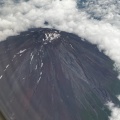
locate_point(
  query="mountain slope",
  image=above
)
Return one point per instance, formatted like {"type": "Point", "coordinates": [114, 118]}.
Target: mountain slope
{"type": "Point", "coordinates": [46, 74]}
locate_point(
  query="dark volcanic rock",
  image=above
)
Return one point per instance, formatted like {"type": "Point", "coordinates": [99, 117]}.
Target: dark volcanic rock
{"type": "Point", "coordinates": [50, 75]}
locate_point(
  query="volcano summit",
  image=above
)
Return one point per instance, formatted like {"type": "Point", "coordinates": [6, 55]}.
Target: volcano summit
{"type": "Point", "coordinates": [47, 74]}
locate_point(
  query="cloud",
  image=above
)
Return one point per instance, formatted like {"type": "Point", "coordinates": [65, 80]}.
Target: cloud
{"type": "Point", "coordinates": [97, 22]}
{"type": "Point", "coordinates": [115, 111]}
{"type": "Point", "coordinates": [107, 10]}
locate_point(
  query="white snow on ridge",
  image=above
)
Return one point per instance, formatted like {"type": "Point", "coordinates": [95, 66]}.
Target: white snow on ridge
{"type": "Point", "coordinates": [41, 64]}
{"type": "Point", "coordinates": [21, 51]}
{"type": "Point", "coordinates": [36, 67]}
{"type": "Point", "coordinates": [31, 57]}
{"type": "Point", "coordinates": [49, 37]}
{"type": "Point", "coordinates": [1, 77]}
{"type": "Point", "coordinates": [39, 80]}
{"type": "Point", "coordinates": [7, 66]}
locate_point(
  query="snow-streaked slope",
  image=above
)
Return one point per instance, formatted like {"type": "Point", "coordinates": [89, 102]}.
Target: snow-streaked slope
{"type": "Point", "coordinates": [48, 74]}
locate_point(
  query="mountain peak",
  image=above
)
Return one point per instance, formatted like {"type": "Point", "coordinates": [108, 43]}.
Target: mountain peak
{"type": "Point", "coordinates": [51, 75]}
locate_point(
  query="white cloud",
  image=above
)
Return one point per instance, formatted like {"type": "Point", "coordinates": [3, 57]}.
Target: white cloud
{"type": "Point", "coordinates": [64, 15]}
{"type": "Point", "coordinates": [115, 111]}
{"type": "Point", "coordinates": [118, 97]}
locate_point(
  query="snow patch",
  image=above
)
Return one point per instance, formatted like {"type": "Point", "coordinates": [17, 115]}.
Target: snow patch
{"type": "Point", "coordinates": [7, 66]}
{"type": "Point", "coordinates": [1, 77]}
{"type": "Point", "coordinates": [41, 64]}
{"type": "Point", "coordinates": [49, 37]}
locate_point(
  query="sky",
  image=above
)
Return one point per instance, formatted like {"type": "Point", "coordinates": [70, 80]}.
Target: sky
{"type": "Point", "coordinates": [96, 21]}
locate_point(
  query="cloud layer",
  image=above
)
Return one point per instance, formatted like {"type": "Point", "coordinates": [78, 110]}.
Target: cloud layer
{"type": "Point", "coordinates": [98, 22]}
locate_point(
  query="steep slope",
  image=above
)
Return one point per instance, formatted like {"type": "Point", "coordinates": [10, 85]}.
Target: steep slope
{"type": "Point", "coordinates": [46, 74]}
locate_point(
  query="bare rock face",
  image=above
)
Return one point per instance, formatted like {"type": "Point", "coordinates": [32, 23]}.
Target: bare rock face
{"type": "Point", "coordinates": [46, 74]}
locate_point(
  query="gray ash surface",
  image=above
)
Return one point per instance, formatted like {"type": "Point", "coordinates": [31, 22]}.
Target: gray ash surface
{"type": "Point", "coordinates": [47, 74]}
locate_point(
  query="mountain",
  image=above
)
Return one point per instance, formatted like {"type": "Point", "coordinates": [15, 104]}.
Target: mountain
{"type": "Point", "coordinates": [46, 74]}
